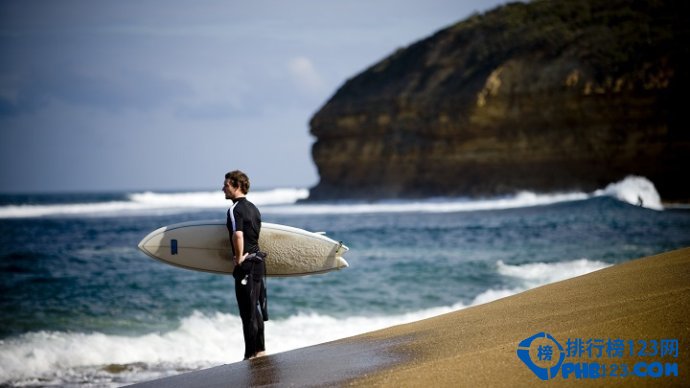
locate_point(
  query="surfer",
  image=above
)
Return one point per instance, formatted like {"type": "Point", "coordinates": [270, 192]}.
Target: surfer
{"type": "Point", "coordinates": [244, 226]}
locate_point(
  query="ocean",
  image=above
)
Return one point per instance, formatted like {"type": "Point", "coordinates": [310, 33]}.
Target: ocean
{"type": "Point", "coordinates": [82, 306]}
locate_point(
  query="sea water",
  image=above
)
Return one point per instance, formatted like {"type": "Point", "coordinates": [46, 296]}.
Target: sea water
{"type": "Point", "coordinates": [81, 305]}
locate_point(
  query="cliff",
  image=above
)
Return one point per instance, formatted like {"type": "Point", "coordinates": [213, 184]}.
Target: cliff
{"type": "Point", "coordinates": [545, 96]}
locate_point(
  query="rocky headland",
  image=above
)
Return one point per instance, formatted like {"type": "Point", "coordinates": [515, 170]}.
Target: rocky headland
{"type": "Point", "coordinates": [546, 96]}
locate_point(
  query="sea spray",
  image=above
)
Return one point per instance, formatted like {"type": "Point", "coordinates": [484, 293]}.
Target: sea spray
{"type": "Point", "coordinates": [215, 199]}
{"type": "Point", "coordinates": [150, 204]}
{"type": "Point", "coordinates": [203, 340]}
{"type": "Point", "coordinates": [283, 201]}
{"type": "Point", "coordinates": [76, 284]}
{"type": "Point", "coordinates": [635, 190]}
{"type": "Point", "coordinates": [536, 274]}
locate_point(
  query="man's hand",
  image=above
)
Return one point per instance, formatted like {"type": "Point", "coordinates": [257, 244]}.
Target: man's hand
{"type": "Point", "coordinates": [239, 261]}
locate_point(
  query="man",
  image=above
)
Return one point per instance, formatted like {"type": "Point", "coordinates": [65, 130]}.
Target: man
{"type": "Point", "coordinates": [244, 226]}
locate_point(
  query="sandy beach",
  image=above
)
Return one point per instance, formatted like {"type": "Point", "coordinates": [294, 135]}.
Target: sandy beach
{"type": "Point", "coordinates": [623, 325]}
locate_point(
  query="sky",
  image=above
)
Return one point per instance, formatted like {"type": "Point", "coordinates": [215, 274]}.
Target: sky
{"type": "Point", "coordinates": [170, 95]}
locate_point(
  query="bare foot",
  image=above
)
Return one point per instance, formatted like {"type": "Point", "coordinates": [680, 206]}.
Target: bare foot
{"type": "Point", "coordinates": [256, 355]}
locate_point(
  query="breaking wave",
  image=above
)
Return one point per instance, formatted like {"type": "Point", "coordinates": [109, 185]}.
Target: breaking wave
{"type": "Point", "coordinates": [205, 340]}
{"type": "Point", "coordinates": [633, 190]}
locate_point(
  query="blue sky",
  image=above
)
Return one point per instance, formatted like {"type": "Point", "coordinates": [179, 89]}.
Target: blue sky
{"type": "Point", "coordinates": [170, 95]}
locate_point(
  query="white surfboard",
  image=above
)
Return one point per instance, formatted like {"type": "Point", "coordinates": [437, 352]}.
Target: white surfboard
{"type": "Point", "coordinates": [205, 246]}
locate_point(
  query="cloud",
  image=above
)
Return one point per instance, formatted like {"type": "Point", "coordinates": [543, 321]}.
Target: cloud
{"type": "Point", "coordinates": [306, 77]}
{"type": "Point", "coordinates": [114, 91]}
{"type": "Point", "coordinates": [87, 87]}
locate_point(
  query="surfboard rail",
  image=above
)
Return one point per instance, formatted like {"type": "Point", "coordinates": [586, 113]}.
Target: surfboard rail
{"type": "Point", "coordinates": [204, 245]}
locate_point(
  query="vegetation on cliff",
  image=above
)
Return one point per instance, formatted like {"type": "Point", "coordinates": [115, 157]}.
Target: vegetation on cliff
{"type": "Point", "coordinates": [550, 95]}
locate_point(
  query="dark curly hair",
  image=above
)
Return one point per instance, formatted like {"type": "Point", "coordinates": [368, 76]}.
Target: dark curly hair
{"type": "Point", "coordinates": [238, 179]}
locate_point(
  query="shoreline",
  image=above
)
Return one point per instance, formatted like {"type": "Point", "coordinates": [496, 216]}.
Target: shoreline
{"type": "Point", "coordinates": [637, 302]}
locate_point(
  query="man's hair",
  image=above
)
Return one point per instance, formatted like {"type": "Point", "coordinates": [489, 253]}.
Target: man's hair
{"type": "Point", "coordinates": [238, 179]}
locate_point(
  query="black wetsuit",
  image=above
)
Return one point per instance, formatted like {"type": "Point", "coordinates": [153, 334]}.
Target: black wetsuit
{"type": "Point", "coordinates": [249, 277]}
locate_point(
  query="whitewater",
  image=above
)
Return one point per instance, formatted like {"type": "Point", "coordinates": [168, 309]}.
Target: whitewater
{"type": "Point", "coordinates": [82, 306]}
{"type": "Point", "coordinates": [633, 189]}
{"type": "Point", "coordinates": [201, 340]}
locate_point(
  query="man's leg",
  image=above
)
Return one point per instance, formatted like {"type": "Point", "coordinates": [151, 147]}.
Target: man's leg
{"type": "Point", "coordinates": [249, 327]}
{"type": "Point", "coordinates": [259, 319]}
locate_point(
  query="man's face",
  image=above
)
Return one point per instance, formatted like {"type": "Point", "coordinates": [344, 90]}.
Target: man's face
{"type": "Point", "coordinates": [230, 192]}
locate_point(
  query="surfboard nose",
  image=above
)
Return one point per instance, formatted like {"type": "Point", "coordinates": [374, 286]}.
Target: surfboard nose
{"type": "Point", "coordinates": [146, 240]}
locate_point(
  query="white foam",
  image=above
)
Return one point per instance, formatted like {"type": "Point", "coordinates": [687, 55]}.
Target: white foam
{"type": "Point", "coordinates": [537, 274]}
{"type": "Point", "coordinates": [105, 208]}
{"type": "Point", "coordinates": [635, 190]}
{"type": "Point", "coordinates": [147, 203]}
{"type": "Point", "coordinates": [215, 199]}
{"type": "Point", "coordinates": [523, 199]}
{"type": "Point", "coordinates": [204, 340]}
{"type": "Point", "coordinates": [200, 341]}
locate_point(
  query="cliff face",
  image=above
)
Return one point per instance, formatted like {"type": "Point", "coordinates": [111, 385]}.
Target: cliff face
{"type": "Point", "coordinates": [545, 96]}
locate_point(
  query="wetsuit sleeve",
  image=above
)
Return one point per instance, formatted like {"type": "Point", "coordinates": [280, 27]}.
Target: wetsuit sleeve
{"type": "Point", "coordinates": [239, 218]}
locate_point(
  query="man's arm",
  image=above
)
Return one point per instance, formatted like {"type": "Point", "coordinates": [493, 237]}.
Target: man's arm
{"type": "Point", "coordinates": [238, 243]}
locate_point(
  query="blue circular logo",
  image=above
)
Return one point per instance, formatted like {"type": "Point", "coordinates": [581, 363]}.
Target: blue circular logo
{"type": "Point", "coordinates": [542, 354]}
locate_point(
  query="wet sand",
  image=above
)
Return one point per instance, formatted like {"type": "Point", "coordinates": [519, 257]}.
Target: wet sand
{"type": "Point", "coordinates": [642, 302]}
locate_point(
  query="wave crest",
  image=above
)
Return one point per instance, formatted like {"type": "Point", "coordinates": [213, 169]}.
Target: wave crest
{"type": "Point", "coordinates": [203, 340]}
{"type": "Point", "coordinates": [633, 189]}
{"type": "Point", "coordinates": [147, 203]}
